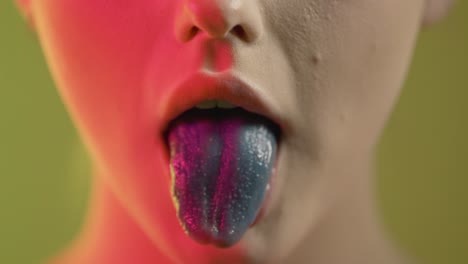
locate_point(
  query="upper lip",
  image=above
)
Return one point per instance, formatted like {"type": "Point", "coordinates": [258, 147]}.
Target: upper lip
{"type": "Point", "coordinates": [203, 86]}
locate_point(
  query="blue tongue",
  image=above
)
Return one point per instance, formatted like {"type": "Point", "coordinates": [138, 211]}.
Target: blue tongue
{"type": "Point", "coordinates": [221, 162]}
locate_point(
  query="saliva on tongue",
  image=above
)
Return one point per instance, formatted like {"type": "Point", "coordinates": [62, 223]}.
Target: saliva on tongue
{"type": "Point", "coordinates": [221, 164]}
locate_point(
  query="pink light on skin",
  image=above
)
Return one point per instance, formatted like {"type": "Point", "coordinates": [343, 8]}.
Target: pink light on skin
{"type": "Point", "coordinates": [125, 68]}
{"type": "Point", "coordinates": [113, 62]}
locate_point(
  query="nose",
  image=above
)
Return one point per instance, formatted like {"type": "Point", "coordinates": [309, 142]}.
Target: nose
{"type": "Point", "coordinates": [218, 19]}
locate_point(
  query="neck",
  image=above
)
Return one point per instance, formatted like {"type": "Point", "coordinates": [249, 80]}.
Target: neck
{"type": "Point", "coordinates": [351, 231]}
{"type": "Point", "coordinates": [110, 235]}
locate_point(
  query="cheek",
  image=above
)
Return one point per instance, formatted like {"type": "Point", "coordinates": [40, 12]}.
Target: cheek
{"type": "Point", "coordinates": [98, 53]}
{"type": "Point", "coordinates": [349, 57]}
{"type": "Point", "coordinates": [371, 52]}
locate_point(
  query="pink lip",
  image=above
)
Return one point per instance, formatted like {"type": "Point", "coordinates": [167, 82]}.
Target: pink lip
{"type": "Point", "coordinates": [204, 86]}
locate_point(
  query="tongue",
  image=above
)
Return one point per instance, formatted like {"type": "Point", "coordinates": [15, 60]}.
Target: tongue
{"type": "Point", "coordinates": [221, 163]}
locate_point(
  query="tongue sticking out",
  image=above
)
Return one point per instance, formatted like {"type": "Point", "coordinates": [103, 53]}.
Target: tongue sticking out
{"type": "Point", "coordinates": [221, 162]}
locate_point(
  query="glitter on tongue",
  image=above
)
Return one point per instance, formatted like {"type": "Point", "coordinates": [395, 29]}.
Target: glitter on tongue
{"type": "Point", "coordinates": [221, 165]}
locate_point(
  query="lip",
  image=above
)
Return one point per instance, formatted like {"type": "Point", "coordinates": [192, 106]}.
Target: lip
{"type": "Point", "coordinates": [203, 86]}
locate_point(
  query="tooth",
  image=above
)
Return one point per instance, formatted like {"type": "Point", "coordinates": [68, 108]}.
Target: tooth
{"type": "Point", "coordinates": [206, 104]}
{"type": "Point", "coordinates": [225, 105]}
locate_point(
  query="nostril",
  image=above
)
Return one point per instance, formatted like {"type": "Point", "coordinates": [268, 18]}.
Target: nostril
{"type": "Point", "coordinates": [239, 32]}
{"type": "Point", "coordinates": [217, 19]}
{"type": "Point", "coordinates": [192, 32]}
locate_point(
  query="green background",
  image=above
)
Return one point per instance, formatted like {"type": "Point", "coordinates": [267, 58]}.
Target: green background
{"type": "Point", "coordinates": [422, 159]}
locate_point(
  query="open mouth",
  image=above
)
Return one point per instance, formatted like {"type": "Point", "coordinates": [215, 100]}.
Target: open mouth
{"type": "Point", "coordinates": [222, 158]}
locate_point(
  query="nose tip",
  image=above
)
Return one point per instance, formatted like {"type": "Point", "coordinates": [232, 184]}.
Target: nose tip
{"type": "Point", "coordinates": [218, 19]}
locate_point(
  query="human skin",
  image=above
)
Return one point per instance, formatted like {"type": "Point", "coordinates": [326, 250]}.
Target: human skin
{"type": "Point", "coordinates": [328, 71]}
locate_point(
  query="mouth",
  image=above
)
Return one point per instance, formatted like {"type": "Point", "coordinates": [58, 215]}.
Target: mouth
{"type": "Point", "coordinates": [223, 146]}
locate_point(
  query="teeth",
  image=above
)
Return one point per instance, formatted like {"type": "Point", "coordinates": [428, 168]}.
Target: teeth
{"type": "Point", "coordinates": [210, 104]}
{"type": "Point", "coordinates": [225, 105]}
{"type": "Point", "coordinates": [207, 104]}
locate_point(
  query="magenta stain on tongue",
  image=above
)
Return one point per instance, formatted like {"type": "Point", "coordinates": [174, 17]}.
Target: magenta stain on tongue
{"type": "Point", "coordinates": [227, 167]}
{"type": "Point", "coordinates": [221, 165]}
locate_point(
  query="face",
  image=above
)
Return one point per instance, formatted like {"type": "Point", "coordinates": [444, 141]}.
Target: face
{"type": "Point", "coordinates": [326, 72]}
